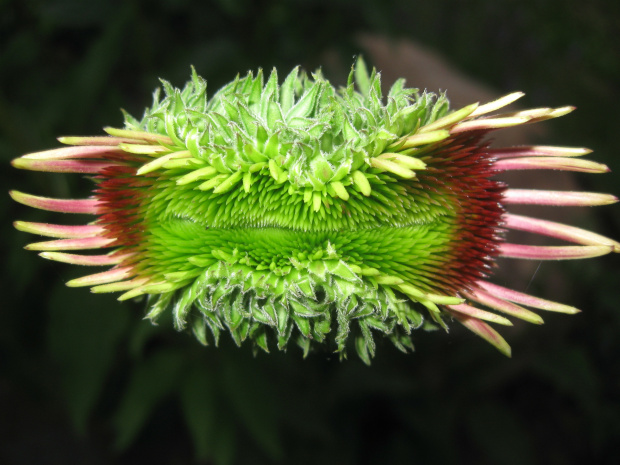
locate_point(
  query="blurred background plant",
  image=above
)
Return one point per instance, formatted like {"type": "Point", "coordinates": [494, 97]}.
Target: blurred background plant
{"type": "Point", "coordinates": [84, 380]}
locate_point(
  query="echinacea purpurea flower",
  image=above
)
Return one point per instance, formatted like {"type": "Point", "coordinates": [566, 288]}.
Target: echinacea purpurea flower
{"type": "Point", "coordinates": [301, 211]}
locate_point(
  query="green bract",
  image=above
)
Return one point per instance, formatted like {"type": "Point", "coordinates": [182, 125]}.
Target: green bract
{"type": "Point", "coordinates": [305, 212]}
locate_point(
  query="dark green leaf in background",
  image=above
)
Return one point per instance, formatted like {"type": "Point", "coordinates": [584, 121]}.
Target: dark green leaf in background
{"type": "Point", "coordinates": [83, 339]}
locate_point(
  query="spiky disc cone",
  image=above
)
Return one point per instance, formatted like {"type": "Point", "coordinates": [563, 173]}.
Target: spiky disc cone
{"type": "Point", "coordinates": [299, 211]}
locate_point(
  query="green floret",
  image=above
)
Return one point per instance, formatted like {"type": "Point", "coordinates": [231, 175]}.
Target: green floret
{"type": "Point", "coordinates": [305, 131]}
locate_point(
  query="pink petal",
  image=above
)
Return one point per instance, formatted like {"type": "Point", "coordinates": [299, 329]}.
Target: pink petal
{"type": "Point", "coordinates": [64, 153]}
{"type": "Point", "coordinates": [525, 299]}
{"type": "Point", "coordinates": [538, 151]}
{"type": "Point", "coordinates": [120, 285]}
{"type": "Point", "coordinates": [57, 230]}
{"type": "Point", "coordinates": [550, 163]}
{"type": "Point", "coordinates": [62, 166]}
{"type": "Point", "coordinates": [537, 252]}
{"type": "Point", "coordinates": [90, 206]}
{"type": "Point", "coordinates": [558, 230]}
{"type": "Point", "coordinates": [96, 242]}
{"type": "Point", "coordinates": [480, 314]}
{"type": "Point", "coordinates": [110, 276]}
{"type": "Point", "coordinates": [89, 260]}
{"type": "Point", "coordinates": [557, 198]}
{"type": "Point", "coordinates": [93, 140]}
{"type": "Point", "coordinates": [484, 331]}
{"type": "Point", "coordinates": [491, 301]}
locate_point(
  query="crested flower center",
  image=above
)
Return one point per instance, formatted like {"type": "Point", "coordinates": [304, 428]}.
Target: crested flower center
{"type": "Point", "coordinates": [301, 211]}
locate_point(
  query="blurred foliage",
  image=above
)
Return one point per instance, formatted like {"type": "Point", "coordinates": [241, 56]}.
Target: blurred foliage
{"type": "Point", "coordinates": [84, 380]}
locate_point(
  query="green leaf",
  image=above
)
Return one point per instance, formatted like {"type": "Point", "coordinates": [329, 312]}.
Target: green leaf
{"type": "Point", "coordinates": [199, 399]}
{"type": "Point", "coordinates": [84, 333]}
{"type": "Point", "coordinates": [251, 396]}
{"type": "Point", "coordinates": [151, 380]}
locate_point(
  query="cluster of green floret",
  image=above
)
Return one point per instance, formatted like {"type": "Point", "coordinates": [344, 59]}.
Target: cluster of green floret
{"type": "Point", "coordinates": [281, 209]}
{"type": "Point", "coordinates": [304, 133]}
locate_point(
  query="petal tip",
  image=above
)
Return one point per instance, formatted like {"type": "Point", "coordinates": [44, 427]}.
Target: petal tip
{"type": "Point", "coordinates": [17, 196]}
{"type": "Point", "coordinates": [18, 163]}
{"type": "Point", "coordinates": [20, 225]}
{"type": "Point", "coordinates": [536, 319]}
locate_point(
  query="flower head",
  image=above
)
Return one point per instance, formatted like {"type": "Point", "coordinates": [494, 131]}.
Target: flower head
{"type": "Point", "coordinates": [298, 211]}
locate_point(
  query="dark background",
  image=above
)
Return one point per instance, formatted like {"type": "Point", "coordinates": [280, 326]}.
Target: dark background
{"type": "Point", "coordinates": [84, 380]}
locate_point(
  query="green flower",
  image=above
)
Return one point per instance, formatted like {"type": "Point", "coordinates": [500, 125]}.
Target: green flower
{"type": "Point", "coordinates": [298, 211]}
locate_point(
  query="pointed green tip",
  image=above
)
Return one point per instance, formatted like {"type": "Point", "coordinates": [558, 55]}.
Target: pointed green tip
{"type": "Point", "coordinates": [362, 77]}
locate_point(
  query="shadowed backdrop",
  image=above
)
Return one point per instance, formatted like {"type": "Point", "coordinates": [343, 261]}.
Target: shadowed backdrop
{"type": "Point", "coordinates": [84, 380]}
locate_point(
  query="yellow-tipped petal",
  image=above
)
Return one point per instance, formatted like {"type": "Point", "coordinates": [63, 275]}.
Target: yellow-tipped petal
{"type": "Point", "coordinates": [395, 168]}
{"type": "Point", "coordinates": [139, 135]}
{"type": "Point", "coordinates": [483, 330]}
{"type": "Point", "coordinates": [119, 286]}
{"type": "Point", "coordinates": [110, 276]}
{"type": "Point", "coordinates": [497, 104]}
{"type": "Point", "coordinates": [424, 138]}
{"type": "Point", "coordinates": [488, 124]}
{"type": "Point", "coordinates": [405, 160]}
{"type": "Point", "coordinates": [474, 312]}
{"type": "Point", "coordinates": [141, 149]}
{"type": "Point", "coordinates": [59, 231]}
{"type": "Point", "coordinates": [159, 162]}
{"type": "Point", "coordinates": [450, 119]}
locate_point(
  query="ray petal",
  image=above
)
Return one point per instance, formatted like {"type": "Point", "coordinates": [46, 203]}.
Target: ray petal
{"type": "Point", "coordinates": [541, 252]}
{"type": "Point", "coordinates": [65, 153]}
{"type": "Point", "coordinates": [488, 124]}
{"type": "Point", "coordinates": [119, 286]}
{"type": "Point", "coordinates": [139, 135]}
{"type": "Point", "coordinates": [558, 230]}
{"type": "Point", "coordinates": [90, 206]}
{"type": "Point", "coordinates": [110, 276]}
{"type": "Point", "coordinates": [538, 151]}
{"type": "Point", "coordinates": [497, 104]}
{"type": "Point", "coordinates": [60, 231]}
{"type": "Point", "coordinates": [525, 299]}
{"type": "Point", "coordinates": [501, 305]}
{"type": "Point", "coordinates": [93, 140]}
{"type": "Point", "coordinates": [62, 166]}
{"type": "Point", "coordinates": [483, 330]}
{"type": "Point", "coordinates": [480, 314]}
{"type": "Point", "coordinates": [88, 260]}
{"type": "Point", "coordinates": [96, 242]}
{"type": "Point", "coordinates": [550, 163]}
{"type": "Point", "coordinates": [557, 198]}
